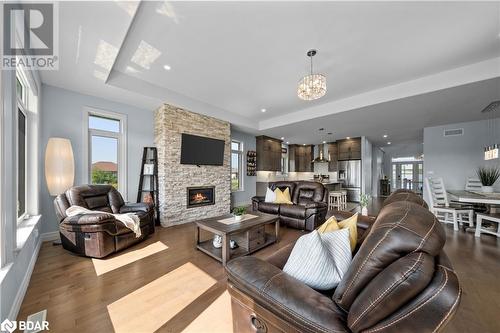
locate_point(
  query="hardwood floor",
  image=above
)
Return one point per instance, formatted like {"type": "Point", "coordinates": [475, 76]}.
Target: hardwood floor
{"type": "Point", "coordinates": [165, 285]}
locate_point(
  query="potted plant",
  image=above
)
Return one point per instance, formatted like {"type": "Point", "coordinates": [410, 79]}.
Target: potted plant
{"type": "Point", "coordinates": [238, 213]}
{"type": "Point", "coordinates": [488, 177]}
{"type": "Point", "coordinates": [363, 201]}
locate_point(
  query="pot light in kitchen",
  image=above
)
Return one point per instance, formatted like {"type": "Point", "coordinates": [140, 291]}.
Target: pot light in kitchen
{"type": "Point", "coordinates": [389, 142]}
{"type": "Point", "coordinates": [263, 110]}
{"type": "Point", "coordinates": [167, 67]}
{"type": "Point", "coordinates": [385, 136]}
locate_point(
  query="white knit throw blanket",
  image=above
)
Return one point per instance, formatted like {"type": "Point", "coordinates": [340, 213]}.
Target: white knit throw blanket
{"type": "Point", "coordinates": [130, 220]}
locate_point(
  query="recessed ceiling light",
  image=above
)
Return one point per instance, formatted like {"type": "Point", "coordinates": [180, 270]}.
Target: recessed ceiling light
{"type": "Point", "coordinates": [347, 137]}
{"type": "Point", "coordinates": [282, 138]}
{"type": "Point", "coordinates": [167, 67]}
{"type": "Point", "coordinates": [287, 142]}
{"type": "Point", "coordinates": [303, 144]}
{"type": "Point", "coordinates": [385, 135]}
{"type": "Point", "coordinates": [389, 142]}
{"type": "Point", "coordinates": [263, 110]}
{"type": "Point", "coordinates": [324, 141]}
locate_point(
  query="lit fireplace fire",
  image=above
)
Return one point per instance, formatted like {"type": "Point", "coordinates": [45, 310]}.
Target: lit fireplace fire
{"type": "Point", "coordinates": [198, 197]}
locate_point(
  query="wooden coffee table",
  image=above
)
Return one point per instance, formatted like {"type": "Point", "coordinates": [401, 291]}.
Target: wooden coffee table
{"type": "Point", "coordinates": [251, 235]}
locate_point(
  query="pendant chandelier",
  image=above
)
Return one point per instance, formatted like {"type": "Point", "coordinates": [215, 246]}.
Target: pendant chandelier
{"type": "Point", "coordinates": [312, 86]}
{"type": "Point", "coordinates": [491, 151]}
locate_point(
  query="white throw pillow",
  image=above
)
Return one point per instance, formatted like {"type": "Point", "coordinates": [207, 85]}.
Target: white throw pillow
{"type": "Point", "coordinates": [270, 195]}
{"type": "Point", "coordinates": [320, 260]}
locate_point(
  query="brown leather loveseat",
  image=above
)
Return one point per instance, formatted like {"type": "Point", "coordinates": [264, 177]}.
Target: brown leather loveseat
{"type": "Point", "coordinates": [400, 280]}
{"type": "Point", "coordinates": [98, 235]}
{"type": "Point", "coordinates": [309, 204]}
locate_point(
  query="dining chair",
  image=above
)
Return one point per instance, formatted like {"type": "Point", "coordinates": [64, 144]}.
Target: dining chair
{"type": "Point", "coordinates": [480, 228]}
{"type": "Point", "coordinates": [440, 206]}
{"type": "Point", "coordinates": [473, 184]}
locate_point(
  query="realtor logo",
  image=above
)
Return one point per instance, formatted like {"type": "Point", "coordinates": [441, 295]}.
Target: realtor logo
{"type": "Point", "coordinates": [30, 35]}
{"type": "Point", "coordinates": [8, 326]}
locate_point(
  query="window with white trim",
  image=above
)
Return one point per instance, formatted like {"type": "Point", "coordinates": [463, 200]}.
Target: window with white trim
{"type": "Point", "coordinates": [21, 152]}
{"type": "Point", "coordinates": [106, 150]}
{"type": "Point", "coordinates": [236, 166]}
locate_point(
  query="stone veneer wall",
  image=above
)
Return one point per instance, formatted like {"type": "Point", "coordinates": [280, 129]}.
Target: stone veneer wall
{"type": "Point", "coordinates": [174, 178]}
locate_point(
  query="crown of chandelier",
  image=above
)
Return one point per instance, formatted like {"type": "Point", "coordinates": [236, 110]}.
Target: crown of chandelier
{"type": "Point", "coordinates": [312, 86]}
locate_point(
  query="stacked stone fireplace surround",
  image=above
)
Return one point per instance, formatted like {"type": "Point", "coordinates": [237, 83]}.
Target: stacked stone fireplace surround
{"type": "Point", "coordinates": [174, 178]}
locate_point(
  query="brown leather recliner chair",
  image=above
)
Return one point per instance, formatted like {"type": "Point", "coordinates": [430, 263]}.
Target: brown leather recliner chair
{"type": "Point", "coordinates": [98, 235]}
{"type": "Point", "coordinates": [309, 204]}
{"type": "Point", "coordinates": [400, 280]}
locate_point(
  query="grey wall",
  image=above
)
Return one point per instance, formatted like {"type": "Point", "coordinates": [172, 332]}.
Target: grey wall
{"type": "Point", "coordinates": [377, 169]}
{"type": "Point", "coordinates": [366, 166]}
{"type": "Point", "coordinates": [455, 158]}
{"type": "Point", "coordinates": [249, 182]}
{"type": "Point", "coordinates": [63, 117]}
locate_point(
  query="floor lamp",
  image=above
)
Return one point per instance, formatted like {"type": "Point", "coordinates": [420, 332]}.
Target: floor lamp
{"type": "Point", "coordinates": [59, 167]}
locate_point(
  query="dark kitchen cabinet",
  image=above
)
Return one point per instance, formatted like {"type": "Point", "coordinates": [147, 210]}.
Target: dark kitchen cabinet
{"type": "Point", "coordinates": [300, 158]}
{"type": "Point", "coordinates": [349, 149]}
{"type": "Point", "coordinates": [268, 153]}
{"type": "Point", "coordinates": [333, 156]}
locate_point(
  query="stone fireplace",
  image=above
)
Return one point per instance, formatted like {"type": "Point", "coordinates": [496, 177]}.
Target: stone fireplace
{"type": "Point", "coordinates": [200, 196]}
{"type": "Point", "coordinates": [176, 179]}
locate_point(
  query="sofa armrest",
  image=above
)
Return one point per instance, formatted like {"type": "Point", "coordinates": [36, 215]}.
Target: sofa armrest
{"type": "Point", "coordinates": [135, 207]}
{"type": "Point", "coordinates": [258, 198]}
{"type": "Point", "coordinates": [319, 204]}
{"type": "Point", "coordinates": [85, 219]}
{"type": "Point", "coordinates": [285, 296]}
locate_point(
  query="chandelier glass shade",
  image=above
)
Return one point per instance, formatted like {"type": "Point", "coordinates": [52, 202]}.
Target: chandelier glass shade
{"type": "Point", "coordinates": [312, 86]}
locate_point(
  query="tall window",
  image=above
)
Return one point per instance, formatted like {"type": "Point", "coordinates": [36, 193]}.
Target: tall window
{"type": "Point", "coordinates": [21, 147]}
{"type": "Point", "coordinates": [106, 149]}
{"type": "Point", "coordinates": [236, 166]}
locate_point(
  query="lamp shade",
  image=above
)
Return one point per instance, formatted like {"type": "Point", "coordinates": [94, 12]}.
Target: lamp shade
{"type": "Point", "coordinates": [59, 165]}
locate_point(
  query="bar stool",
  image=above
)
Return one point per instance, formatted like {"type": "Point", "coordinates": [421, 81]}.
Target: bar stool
{"type": "Point", "coordinates": [343, 199]}
{"type": "Point", "coordinates": [335, 200]}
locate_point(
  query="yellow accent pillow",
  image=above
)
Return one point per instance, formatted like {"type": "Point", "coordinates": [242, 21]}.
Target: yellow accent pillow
{"type": "Point", "coordinates": [282, 197]}
{"type": "Point", "coordinates": [330, 225]}
{"type": "Point", "coordinates": [351, 223]}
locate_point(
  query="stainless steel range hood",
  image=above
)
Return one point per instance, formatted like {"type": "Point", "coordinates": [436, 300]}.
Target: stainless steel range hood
{"type": "Point", "coordinates": [321, 155]}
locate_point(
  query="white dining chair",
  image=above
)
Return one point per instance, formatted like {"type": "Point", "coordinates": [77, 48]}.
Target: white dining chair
{"type": "Point", "coordinates": [473, 184]}
{"type": "Point", "coordinates": [480, 228]}
{"type": "Point", "coordinates": [441, 207]}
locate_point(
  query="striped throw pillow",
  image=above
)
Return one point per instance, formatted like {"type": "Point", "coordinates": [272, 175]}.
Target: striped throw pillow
{"type": "Point", "coordinates": [320, 260]}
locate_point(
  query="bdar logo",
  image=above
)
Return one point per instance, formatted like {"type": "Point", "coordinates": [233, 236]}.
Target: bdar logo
{"type": "Point", "coordinates": [8, 326]}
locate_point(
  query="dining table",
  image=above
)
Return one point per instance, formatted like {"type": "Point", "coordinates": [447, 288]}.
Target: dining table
{"type": "Point", "coordinates": [474, 197]}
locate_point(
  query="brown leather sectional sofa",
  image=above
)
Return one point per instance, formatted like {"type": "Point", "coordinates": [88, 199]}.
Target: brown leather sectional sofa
{"type": "Point", "coordinates": [98, 235]}
{"type": "Point", "coordinates": [309, 204]}
{"type": "Point", "coordinates": [400, 280]}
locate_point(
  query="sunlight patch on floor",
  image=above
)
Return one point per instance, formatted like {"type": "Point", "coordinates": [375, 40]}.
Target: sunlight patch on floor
{"type": "Point", "coordinates": [216, 318]}
{"type": "Point", "coordinates": [150, 307]}
{"type": "Point", "coordinates": [102, 266]}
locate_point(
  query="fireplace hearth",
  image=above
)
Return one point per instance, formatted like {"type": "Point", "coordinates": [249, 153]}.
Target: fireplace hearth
{"type": "Point", "coordinates": [200, 196]}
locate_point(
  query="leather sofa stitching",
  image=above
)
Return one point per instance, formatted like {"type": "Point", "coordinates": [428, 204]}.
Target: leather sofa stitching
{"type": "Point", "coordinates": [422, 242]}
{"type": "Point", "coordinates": [415, 309]}
{"type": "Point", "coordinates": [452, 310]}
{"type": "Point", "coordinates": [371, 252]}
{"type": "Point", "coordinates": [403, 277]}
{"type": "Point", "coordinates": [269, 281]}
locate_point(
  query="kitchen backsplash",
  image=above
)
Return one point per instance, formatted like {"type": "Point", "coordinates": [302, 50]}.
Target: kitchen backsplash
{"type": "Point", "coordinates": [272, 176]}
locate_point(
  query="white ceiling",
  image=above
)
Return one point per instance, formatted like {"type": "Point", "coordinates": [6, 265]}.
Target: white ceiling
{"type": "Point", "coordinates": [230, 59]}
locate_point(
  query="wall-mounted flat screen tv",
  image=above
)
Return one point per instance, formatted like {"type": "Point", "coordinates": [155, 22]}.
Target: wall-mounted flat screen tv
{"type": "Point", "coordinates": [199, 150]}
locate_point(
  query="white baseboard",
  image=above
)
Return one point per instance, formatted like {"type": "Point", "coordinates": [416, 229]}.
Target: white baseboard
{"type": "Point", "coordinates": [18, 301]}
{"type": "Point", "coordinates": [49, 236]}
